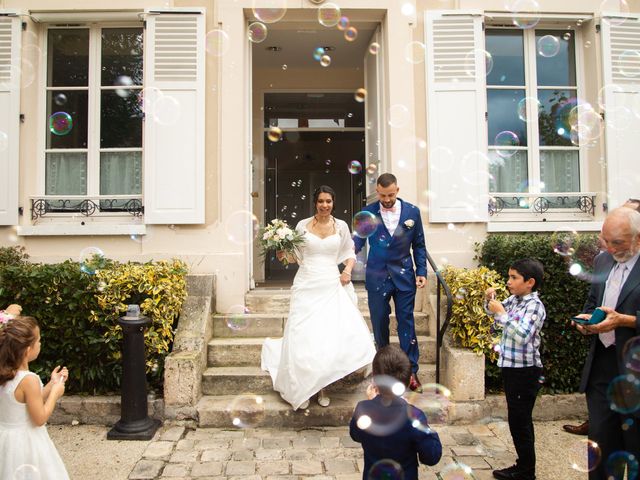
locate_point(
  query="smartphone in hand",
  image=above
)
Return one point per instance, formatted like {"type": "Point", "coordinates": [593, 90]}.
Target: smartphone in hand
{"type": "Point", "coordinates": [597, 316]}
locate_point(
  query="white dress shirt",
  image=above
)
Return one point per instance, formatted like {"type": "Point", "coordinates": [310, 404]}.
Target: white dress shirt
{"type": "Point", "coordinates": [391, 219]}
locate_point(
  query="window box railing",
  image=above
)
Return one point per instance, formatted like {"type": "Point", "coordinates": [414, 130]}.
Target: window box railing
{"type": "Point", "coordinates": [571, 203]}
{"type": "Point", "coordinates": [62, 205]}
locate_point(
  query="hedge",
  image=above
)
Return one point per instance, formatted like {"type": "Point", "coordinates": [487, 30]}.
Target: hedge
{"type": "Point", "coordinates": [77, 313]}
{"type": "Point", "coordinates": [563, 349]}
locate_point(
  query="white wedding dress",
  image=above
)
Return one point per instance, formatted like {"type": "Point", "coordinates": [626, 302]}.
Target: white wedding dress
{"type": "Point", "coordinates": [325, 337]}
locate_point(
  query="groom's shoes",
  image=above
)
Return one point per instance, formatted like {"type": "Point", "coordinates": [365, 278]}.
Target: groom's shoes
{"type": "Point", "coordinates": [414, 384]}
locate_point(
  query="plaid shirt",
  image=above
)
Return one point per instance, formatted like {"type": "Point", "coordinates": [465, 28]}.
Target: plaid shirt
{"type": "Point", "coordinates": [521, 325]}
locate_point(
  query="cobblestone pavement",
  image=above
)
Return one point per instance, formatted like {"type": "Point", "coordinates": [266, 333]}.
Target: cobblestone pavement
{"type": "Point", "coordinates": [330, 454]}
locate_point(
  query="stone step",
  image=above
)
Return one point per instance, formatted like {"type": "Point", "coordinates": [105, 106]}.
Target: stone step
{"type": "Point", "coordinates": [270, 411]}
{"type": "Point", "coordinates": [277, 301]}
{"type": "Point", "coordinates": [272, 325]}
{"type": "Point", "coordinates": [236, 380]}
{"type": "Point", "coordinates": [227, 352]}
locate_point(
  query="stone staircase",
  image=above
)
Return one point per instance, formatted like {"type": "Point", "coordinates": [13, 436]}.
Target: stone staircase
{"type": "Point", "coordinates": [233, 367]}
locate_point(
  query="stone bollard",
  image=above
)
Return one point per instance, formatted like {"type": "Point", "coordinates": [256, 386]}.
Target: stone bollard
{"type": "Point", "coordinates": [134, 423]}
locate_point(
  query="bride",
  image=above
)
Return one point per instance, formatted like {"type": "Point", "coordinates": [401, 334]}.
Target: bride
{"type": "Point", "coordinates": [325, 337]}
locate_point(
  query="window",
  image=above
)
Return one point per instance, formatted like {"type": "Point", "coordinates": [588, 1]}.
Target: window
{"type": "Point", "coordinates": [94, 115]}
{"type": "Point", "coordinates": [535, 126]}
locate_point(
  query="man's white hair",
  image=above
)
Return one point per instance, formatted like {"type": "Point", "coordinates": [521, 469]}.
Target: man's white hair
{"type": "Point", "coordinates": [631, 215]}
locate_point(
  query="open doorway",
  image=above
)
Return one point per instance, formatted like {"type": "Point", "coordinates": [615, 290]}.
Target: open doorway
{"type": "Point", "coordinates": [328, 136]}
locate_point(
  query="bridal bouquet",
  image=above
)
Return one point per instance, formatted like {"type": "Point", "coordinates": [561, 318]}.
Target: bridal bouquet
{"type": "Point", "coordinates": [278, 235]}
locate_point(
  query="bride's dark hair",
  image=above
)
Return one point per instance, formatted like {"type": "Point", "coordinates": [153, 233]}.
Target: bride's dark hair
{"type": "Point", "coordinates": [324, 189]}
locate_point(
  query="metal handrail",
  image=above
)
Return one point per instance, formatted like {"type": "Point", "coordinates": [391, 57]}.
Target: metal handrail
{"type": "Point", "coordinates": [440, 330]}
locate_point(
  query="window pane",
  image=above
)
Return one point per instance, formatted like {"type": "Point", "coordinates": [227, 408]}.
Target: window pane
{"type": "Point", "coordinates": [68, 57]}
{"type": "Point", "coordinates": [560, 171]}
{"type": "Point", "coordinates": [67, 119]}
{"type": "Point", "coordinates": [120, 174]}
{"type": "Point", "coordinates": [507, 50]}
{"type": "Point", "coordinates": [508, 173]}
{"type": "Point", "coordinates": [120, 119]}
{"type": "Point", "coordinates": [556, 117]}
{"type": "Point", "coordinates": [121, 55]}
{"type": "Point", "coordinates": [66, 174]}
{"type": "Point", "coordinates": [555, 68]}
{"type": "Point", "coordinates": [502, 106]}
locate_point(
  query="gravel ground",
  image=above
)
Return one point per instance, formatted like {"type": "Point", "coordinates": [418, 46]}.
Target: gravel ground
{"type": "Point", "coordinates": [87, 453]}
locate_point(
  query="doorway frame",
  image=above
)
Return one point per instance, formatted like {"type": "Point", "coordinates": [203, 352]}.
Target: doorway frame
{"type": "Point", "coordinates": [235, 121]}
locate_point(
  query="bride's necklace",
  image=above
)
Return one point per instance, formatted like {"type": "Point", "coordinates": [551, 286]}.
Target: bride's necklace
{"type": "Point", "coordinates": [327, 228]}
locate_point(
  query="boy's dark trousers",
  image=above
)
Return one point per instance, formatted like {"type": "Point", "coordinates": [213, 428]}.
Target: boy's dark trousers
{"type": "Point", "coordinates": [521, 386]}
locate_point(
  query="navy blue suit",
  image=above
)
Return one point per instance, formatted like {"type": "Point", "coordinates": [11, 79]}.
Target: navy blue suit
{"type": "Point", "coordinates": [390, 274]}
{"type": "Point", "coordinates": [397, 439]}
{"type": "Point", "coordinates": [604, 364]}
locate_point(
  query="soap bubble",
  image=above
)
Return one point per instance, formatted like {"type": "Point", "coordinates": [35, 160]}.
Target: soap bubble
{"type": "Point", "coordinates": [277, 9]}
{"type": "Point", "coordinates": [123, 81]}
{"type": "Point", "coordinates": [620, 462]}
{"type": "Point", "coordinates": [257, 32]}
{"type": "Point", "coordinates": [631, 355]}
{"type": "Point", "coordinates": [385, 418]}
{"type": "Point", "coordinates": [167, 110]}
{"type": "Point", "coordinates": [524, 13]}
{"type": "Point", "coordinates": [372, 168]}
{"type": "Point", "coordinates": [217, 42]}
{"type": "Point", "coordinates": [364, 224]}
{"type": "Point", "coordinates": [566, 36]}
{"type": "Point", "coordinates": [472, 58]}
{"type": "Point", "coordinates": [575, 269]}
{"type": "Point", "coordinates": [619, 6]}
{"type": "Point", "coordinates": [434, 401]}
{"type": "Point", "coordinates": [60, 99]}
{"type": "Point", "coordinates": [242, 227]}
{"type": "Point", "coordinates": [26, 472]}
{"type": "Point", "coordinates": [374, 48]}
{"type": "Point", "coordinates": [318, 53]}
{"type": "Point", "coordinates": [414, 52]}
{"type": "Point", "coordinates": [237, 318]}
{"type": "Point", "coordinates": [343, 23]}
{"type": "Point", "coordinates": [350, 34]}
{"type": "Point", "coordinates": [629, 62]}
{"type": "Point", "coordinates": [386, 469]}
{"type": "Point", "coordinates": [360, 95]}
{"type": "Point", "coordinates": [274, 134]}
{"type": "Point", "coordinates": [584, 455]}
{"type": "Point", "coordinates": [246, 411]}
{"type": "Point", "coordinates": [60, 123]}
{"type": "Point", "coordinates": [398, 115]}
{"type": "Point", "coordinates": [329, 15]}
{"type": "Point", "coordinates": [623, 393]}
{"type": "Point", "coordinates": [325, 60]}
{"type": "Point", "coordinates": [457, 471]}
{"type": "Point", "coordinates": [91, 260]}
{"type": "Point", "coordinates": [355, 167]}
{"type": "Point", "coordinates": [504, 140]}
{"type": "Point", "coordinates": [548, 46]}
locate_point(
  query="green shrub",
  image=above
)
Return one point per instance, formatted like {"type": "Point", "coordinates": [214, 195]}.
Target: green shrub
{"type": "Point", "coordinates": [77, 314]}
{"type": "Point", "coordinates": [563, 349]}
{"type": "Point", "coordinates": [470, 326]}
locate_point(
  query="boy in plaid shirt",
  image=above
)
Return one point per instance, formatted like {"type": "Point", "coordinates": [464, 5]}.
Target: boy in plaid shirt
{"type": "Point", "coordinates": [521, 317]}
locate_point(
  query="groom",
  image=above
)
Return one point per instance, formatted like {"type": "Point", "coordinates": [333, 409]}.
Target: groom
{"type": "Point", "coordinates": [390, 273]}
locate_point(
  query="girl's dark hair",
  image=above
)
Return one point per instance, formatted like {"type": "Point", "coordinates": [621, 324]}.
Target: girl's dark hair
{"type": "Point", "coordinates": [530, 268]}
{"type": "Point", "coordinates": [15, 337]}
{"type": "Point", "coordinates": [324, 189]}
{"type": "Point", "coordinates": [393, 362]}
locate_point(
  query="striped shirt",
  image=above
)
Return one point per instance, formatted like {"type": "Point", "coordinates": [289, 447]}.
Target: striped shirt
{"type": "Point", "coordinates": [521, 325]}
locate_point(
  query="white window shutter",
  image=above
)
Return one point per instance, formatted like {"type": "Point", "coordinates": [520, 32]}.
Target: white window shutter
{"type": "Point", "coordinates": [174, 116]}
{"type": "Point", "coordinates": [456, 125]}
{"type": "Point", "coordinates": [621, 98]}
{"type": "Point", "coordinates": [10, 33]}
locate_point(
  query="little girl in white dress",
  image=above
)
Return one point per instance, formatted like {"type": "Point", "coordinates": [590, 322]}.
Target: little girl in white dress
{"type": "Point", "coordinates": [26, 451]}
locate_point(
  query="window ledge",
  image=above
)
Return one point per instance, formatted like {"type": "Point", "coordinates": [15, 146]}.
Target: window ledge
{"type": "Point", "coordinates": [67, 229]}
{"type": "Point", "coordinates": [589, 226]}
